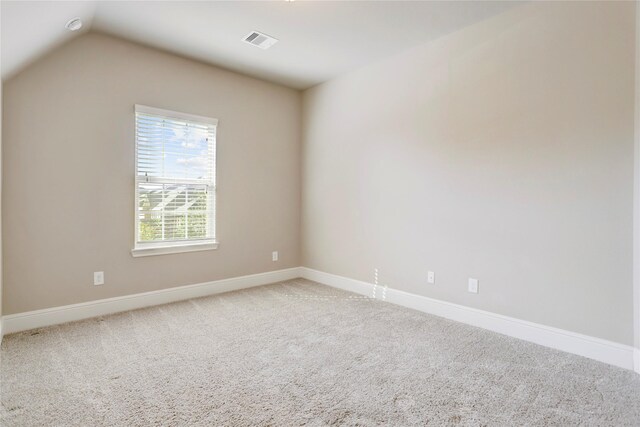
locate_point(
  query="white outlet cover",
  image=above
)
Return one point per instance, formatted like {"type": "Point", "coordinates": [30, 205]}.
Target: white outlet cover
{"type": "Point", "coordinates": [274, 256]}
{"type": "Point", "coordinates": [98, 278]}
{"type": "Point", "coordinates": [473, 286]}
{"type": "Point", "coordinates": [431, 277]}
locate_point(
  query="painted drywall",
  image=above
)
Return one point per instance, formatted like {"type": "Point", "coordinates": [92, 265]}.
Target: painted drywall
{"type": "Point", "coordinates": [502, 152]}
{"type": "Point", "coordinates": [636, 193]}
{"type": "Point", "coordinates": [1, 85]}
{"type": "Point", "coordinates": [69, 173]}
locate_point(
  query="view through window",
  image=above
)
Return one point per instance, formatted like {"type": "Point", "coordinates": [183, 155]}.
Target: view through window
{"type": "Point", "coordinates": [175, 178]}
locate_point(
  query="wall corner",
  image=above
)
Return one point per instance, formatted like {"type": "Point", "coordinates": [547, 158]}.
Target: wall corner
{"type": "Point", "coordinates": [636, 201]}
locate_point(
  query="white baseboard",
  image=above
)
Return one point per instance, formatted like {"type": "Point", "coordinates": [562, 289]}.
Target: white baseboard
{"type": "Point", "coordinates": [605, 351]}
{"type": "Point", "coordinates": [68, 313]}
{"type": "Point", "coordinates": [595, 348]}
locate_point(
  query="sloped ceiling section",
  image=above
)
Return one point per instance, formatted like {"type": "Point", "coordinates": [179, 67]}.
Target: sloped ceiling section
{"type": "Point", "coordinates": [318, 40]}
{"type": "Point", "coordinates": [31, 29]}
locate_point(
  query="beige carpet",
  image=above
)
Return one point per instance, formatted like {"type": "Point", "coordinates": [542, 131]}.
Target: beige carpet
{"type": "Point", "coordinates": [299, 353]}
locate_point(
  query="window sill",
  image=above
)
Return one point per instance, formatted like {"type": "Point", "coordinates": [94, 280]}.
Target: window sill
{"type": "Point", "coordinates": [175, 249]}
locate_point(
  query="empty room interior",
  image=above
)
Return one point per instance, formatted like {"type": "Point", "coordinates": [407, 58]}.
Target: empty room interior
{"type": "Point", "coordinates": [282, 213]}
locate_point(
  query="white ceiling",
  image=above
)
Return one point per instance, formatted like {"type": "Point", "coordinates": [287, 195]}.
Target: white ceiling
{"type": "Point", "coordinates": [318, 39]}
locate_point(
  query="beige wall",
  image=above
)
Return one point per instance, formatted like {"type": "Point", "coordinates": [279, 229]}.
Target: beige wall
{"type": "Point", "coordinates": [1, 101]}
{"type": "Point", "coordinates": [502, 152]}
{"type": "Point", "coordinates": [636, 216]}
{"type": "Point", "coordinates": [69, 171]}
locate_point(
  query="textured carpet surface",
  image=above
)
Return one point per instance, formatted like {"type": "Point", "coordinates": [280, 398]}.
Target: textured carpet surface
{"type": "Point", "coordinates": [299, 353]}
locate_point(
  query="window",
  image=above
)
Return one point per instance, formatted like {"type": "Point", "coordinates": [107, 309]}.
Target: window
{"type": "Point", "coordinates": [175, 182]}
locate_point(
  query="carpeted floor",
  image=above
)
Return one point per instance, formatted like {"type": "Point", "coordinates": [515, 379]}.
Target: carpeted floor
{"type": "Point", "coordinates": [299, 353]}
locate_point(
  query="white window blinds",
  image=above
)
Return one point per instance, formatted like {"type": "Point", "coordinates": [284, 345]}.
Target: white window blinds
{"type": "Point", "coordinates": [175, 178]}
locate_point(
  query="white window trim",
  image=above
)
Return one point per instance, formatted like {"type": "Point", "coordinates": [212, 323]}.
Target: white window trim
{"type": "Point", "coordinates": [165, 248]}
{"type": "Point", "coordinates": [175, 248]}
{"type": "Point", "coordinates": [174, 114]}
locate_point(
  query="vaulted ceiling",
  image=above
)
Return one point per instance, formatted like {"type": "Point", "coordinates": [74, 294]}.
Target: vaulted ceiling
{"type": "Point", "coordinates": [318, 40]}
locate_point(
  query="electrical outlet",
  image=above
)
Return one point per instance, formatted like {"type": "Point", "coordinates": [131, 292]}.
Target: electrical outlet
{"type": "Point", "coordinates": [98, 278]}
{"type": "Point", "coordinates": [431, 277]}
{"type": "Point", "coordinates": [274, 256]}
{"type": "Point", "coordinates": [473, 286]}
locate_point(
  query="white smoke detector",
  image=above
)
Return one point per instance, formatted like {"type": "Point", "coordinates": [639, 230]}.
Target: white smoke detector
{"type": "Point", "coordinates": [74, 25]}
{"type": "Point", "coordinates": [262, 40]}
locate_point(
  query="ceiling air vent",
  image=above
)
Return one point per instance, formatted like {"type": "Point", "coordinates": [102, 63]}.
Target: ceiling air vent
{"type": "Point", "coordinates": [261, 40]}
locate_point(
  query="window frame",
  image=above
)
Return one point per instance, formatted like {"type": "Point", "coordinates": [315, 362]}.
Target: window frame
{"type": "Point", "coordinates": [179, 246]}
